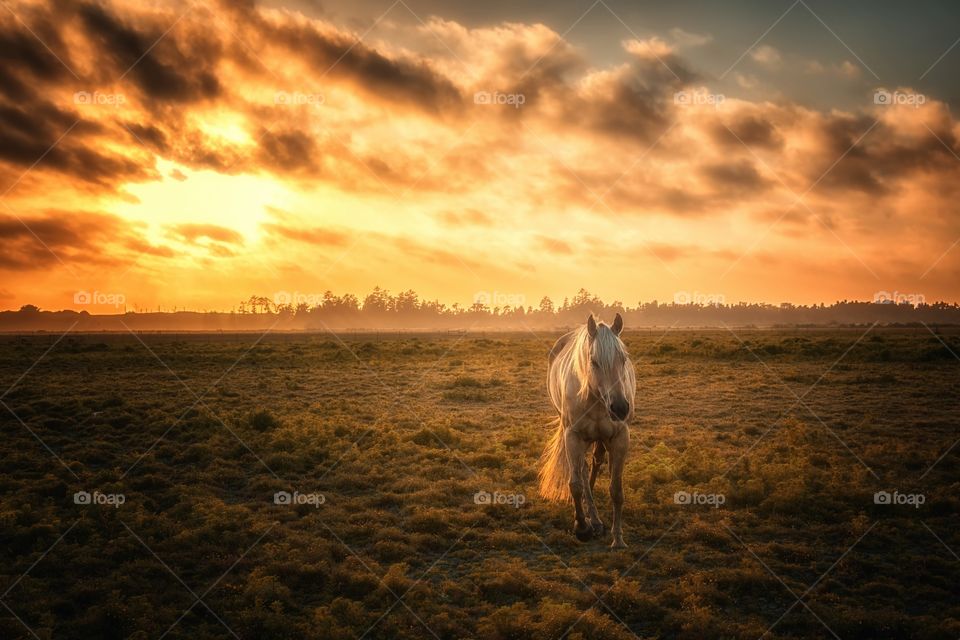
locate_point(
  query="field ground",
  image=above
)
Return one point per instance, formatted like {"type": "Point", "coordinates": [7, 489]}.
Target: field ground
{"type": "Point", "coordinates": [796, 430]}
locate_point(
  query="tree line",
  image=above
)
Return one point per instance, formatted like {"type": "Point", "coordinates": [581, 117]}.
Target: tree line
{"type": "Point", "coordinates": [406, 309]}
{"type": "Point", "coordinates": [381, 310]}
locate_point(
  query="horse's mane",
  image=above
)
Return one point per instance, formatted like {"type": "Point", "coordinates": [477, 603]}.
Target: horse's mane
{"type": "Point", "coordinates": [575, 357]}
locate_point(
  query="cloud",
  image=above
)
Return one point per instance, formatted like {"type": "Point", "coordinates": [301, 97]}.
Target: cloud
{"type": "Point", "coordinates": [746, 81]}
{"type": "Point", "coordinates": [143, 247]}
{"type": "Point", "coordinates": [649, 48]}
{"type": "Point", "coordinates": [35, 129]}
{"type": "Point", "coordinates": [750, 128]}
{"type": "Point", "coordinates": [329, 52]}
{"type": "Point", "coordinates": [54, 237]}
{"type": "Point", "coordinates": [846, 69]}
{"type": "Point", "coordinates": [423, 252]}
{"type": "Point", "coordinates": [193, 232]}
{"type": "Point", "coordinates": [466, 217]}
{"type": "Point", "coordinates": [767, 56]}
{"type": "Point", "coordinates": [687, 39]}
{"type": "Point", "coordinates": [156, 64]}
{"type": "Point", "coordinates": [555, 245]}
{"type": "Point", "coordinates": [218, 241]}
{"type": "Point", "coordinates": [740, 176]}
{"type": "Point", "coordinates": [310, 235]}
{"type": "Point", "coordinates": [289, 151]}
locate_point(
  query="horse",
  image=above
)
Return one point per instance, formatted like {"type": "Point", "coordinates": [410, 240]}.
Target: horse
{"type": "Point", "coordinates": [592, 384]}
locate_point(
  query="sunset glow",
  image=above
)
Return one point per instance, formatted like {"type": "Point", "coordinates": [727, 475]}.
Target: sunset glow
{"type": "Point", "coordinates": [267, 147]}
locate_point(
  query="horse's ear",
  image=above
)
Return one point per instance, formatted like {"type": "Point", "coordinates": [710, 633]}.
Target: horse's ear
{"type": "Point", "coordinates": [592, 326]}
{"type": "Point", "coordinates": [617, 325]}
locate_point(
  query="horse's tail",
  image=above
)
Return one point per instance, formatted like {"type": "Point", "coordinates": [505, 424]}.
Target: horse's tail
{"type": "Point", "coordinates": [555, 468]}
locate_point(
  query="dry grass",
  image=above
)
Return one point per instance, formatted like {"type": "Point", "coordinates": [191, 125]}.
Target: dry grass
{"type": "Point", "coordinates": [400, 435]}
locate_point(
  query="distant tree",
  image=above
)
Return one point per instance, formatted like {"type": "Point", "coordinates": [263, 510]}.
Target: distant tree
{"type": "Point", "coordinates": [407, 302]}
{"type": "Point", "coordinates": [585, 299]}
{"type": "Point", "coordinates": [379, 300]}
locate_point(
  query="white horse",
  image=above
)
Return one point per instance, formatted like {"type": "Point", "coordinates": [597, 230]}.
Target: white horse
{"type": "Point", "coordinates": [592, 384]}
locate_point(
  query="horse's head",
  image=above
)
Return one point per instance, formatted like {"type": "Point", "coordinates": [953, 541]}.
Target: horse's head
{"type": "Point", "coordinates": [610, 372]}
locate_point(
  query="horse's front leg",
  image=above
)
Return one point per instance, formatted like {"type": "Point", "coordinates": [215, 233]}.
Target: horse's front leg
{"type": "Point", "coordinates": [618, 447]}
{"type": "Point", "coordinates": [599, 453]}
{"type": "Point", "coordinates": [576, 449]}
{"type": "Point", "coordinates": [596, 524]}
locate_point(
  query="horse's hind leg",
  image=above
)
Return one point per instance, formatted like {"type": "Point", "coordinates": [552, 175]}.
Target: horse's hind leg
{"type": "Point", "coordinates": [599, 454]}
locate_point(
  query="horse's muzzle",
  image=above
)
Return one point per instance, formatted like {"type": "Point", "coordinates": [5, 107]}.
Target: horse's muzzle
{"type": "Point", "coordinates": [619, 409]}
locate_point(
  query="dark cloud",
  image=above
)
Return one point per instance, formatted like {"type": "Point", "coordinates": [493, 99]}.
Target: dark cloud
{"type": "Point", "coordinates": [341, 57]}
{"type": "Point", "coordinates": [38, 133]}
{"type": "Point", "coordinates": [43, 137]}
{"type": "Point", "coordinates": [750, 130]}
{"type": "Point", "coordinates": [289, 151]}
{"type": "Point", "coordinates": [634, 103]}
{"type": "Point", "coordinates": [148, 135]}
{"type": "Point", "coordinates": [41, 54]}
{"type": "Point", "coordinates": [178, 78]}
{"type": "Point", "coordinates": [734, 178]}
{"type": "Point", "coordinates": [40, 241]}
{"type": "Point", "coordinates": [858, 154]}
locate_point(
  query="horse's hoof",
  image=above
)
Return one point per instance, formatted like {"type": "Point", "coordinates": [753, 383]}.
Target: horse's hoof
{"type": "Point", "coordinates": [584, 533]}
{"type": "Point", "coordinates": [618, 544]}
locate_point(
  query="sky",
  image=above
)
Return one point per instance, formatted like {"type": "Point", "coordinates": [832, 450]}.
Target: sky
{"type": "Point", "coordinates": [188, 155]}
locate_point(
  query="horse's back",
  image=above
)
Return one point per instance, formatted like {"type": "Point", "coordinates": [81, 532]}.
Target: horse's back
{"type": "Point", "coordinates": [557, 373]}
{"type": "Point", "coordinates": [559, 345]}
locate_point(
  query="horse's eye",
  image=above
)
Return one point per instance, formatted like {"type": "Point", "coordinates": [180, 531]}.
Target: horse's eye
{"type": "Point", "coordinates": [596, 365]}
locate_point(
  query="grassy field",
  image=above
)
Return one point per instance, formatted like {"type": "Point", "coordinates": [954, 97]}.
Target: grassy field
{"type": "Point", "coordinates": [781, 438]}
